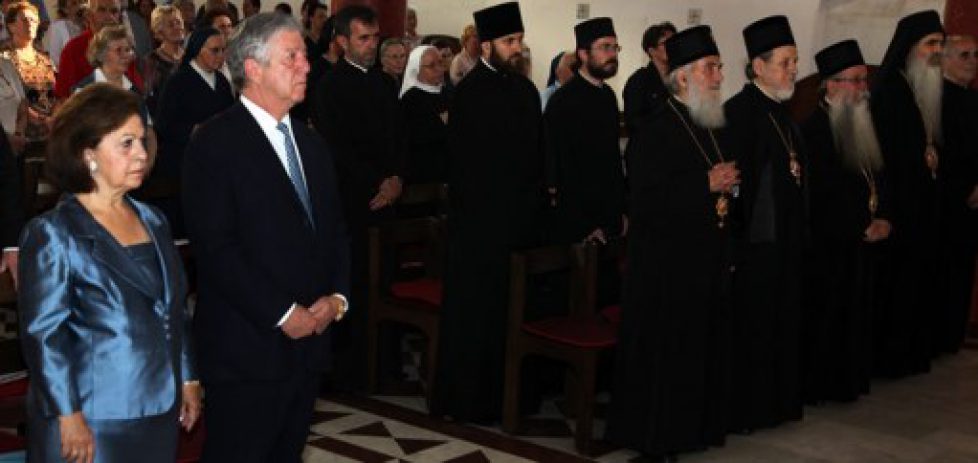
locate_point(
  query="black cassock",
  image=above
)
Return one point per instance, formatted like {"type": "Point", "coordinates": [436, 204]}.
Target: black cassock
{"type": "Point", "coordinates": [959, 239]}
{"type": "Point", "coordinates": [643, 96]}
{"type": "Point", "coordinates": [769, 226]}
{"type": "Point", "coordinates": [584, 160]}
{"type": "Point", "coordinates": [907, 281]}
{"type": "Point", "coordinates": [671, 371]}
{"type": "Point", "coordinates": [427, 136]}
{"type": "Point", "coordinates": [840, 268]}
{"type": "Point", "coordinates": [495, 198]}
{"type": "Point", "coordinates": [359, 117]}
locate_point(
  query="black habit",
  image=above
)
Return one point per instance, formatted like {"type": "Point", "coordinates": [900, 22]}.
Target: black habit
{"type": "Point", "coordinates": [427, 136]}
{"type": "Point", "coordinates": [495, 198]}
{"type": "Point", "coordinates": [670, 374]}
{"type": "Point", "coordinates": [584, 161]}
{"type": "Point", "coordinates": [358, 115]}
{"type": "Point", "coordinates": [187, 101]}
{"type": "Point", "coordinates": [906, 301]}
{"type": "Point", "coordinates": [840, 269]}
{"type": "Point", "coordinates": [769, 224]}
{"type": "Point", "coordinates": [960, 223]}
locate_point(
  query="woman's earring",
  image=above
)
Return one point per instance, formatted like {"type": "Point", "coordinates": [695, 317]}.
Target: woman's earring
{"type": "Point", "coordinates": [92, 166]}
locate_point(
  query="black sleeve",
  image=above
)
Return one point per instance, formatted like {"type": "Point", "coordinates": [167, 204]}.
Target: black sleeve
{"type": "Point", "coordinates": [11, 207]}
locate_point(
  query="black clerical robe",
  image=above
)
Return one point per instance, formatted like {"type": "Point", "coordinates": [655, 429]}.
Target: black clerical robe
{"type": "Point", "coordinates": [644, 92]}
{"type": "Point", "coordinates": [959, 228]}
{"type": "Point", "coordinates": [643, 96]}
{"type": "Point", "coordinates": [671, 371]}
{"type": "Point", "coordinates": [495, 198]}
{"type": "Point", "coordinates": [425, 116]}
{"type": "Point", "coordinates": [358, 115]}
{"type": "Point", "coordinates": [840, 268]}
{"type": "Point", "coordinates": [11, 207]}
{"type": "Point", "coordinates": [769, 222]}
{"type": "Point", "coordinates": [584, 161]}
{"type": "Point", "coordinates": [909, 264]}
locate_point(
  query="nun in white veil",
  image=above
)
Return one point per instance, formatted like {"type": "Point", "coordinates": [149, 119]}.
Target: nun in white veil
{"type": "Point", "coordinates": [426, 114]}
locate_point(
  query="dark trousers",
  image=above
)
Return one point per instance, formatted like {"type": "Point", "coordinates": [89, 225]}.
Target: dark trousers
{"type": "Point", "coordinates": [259, 421]}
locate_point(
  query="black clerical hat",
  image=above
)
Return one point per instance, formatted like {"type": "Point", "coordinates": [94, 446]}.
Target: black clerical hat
{"type": "Point", "coordinates": [767, 34]}
{"type": "Point", "coordinates": [690, 45]}
{"type": "Point", "coordinates": [836, 58]}
{"type": "Point", "coordinates": [593, 29]}
{"type": "Point", "coordinates": [915, 26]}
{"type": "Point", "coordinates": [497, 21]}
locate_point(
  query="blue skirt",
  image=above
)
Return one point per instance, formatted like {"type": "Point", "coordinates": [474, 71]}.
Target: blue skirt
{"type": "Point", "coordinates": [146, 440]}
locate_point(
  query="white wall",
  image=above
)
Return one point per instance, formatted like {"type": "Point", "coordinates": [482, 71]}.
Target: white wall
{"type": "Point", "coordinates": [816, 23]}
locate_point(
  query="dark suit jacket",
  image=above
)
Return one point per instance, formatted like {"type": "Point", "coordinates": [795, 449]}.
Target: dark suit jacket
{"type": "Point", "coordinates": [256, 251]}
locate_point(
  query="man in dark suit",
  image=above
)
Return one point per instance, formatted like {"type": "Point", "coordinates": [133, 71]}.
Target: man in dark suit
{"type": "Point", "coordinates": [264, 218]}
{"type": "Point", "coordinates": [11, 211]}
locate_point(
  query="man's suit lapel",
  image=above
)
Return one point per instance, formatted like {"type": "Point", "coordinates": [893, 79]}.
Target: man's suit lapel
{"type": "Point", "coordinates": [266, 160]}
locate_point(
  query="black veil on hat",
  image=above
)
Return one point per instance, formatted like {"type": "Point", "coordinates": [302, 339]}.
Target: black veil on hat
{"type": "Point", "coordinates": [196, 43]}
{"type": "Point", "coordinates": [690, 45]}
{"type": "Point", "coordinates": [593, 29]}
{"type": "Point", "coordinates": [908, 32]}
{"type": "Point", "coordinates": [499, 20]}
{"type": "Point", "coordinates": [836, 58]}
{"type": "Point", "coordinates": [767, 34]}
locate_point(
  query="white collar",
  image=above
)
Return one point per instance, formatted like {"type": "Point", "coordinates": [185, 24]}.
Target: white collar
{"type": "Point", "coordinates": [361, 68]}
{"type": "Point", "coordinates": [100, 77]}
{"type": "Point", "coordinates": [208, 76]}
{"type": "Point", "coordinates": [264, 119]}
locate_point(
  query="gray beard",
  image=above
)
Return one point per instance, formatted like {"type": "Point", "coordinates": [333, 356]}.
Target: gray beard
{"type": "Point", "coordinates": [784, 94]}
{"type": "Point", "coordinates": [927, 83]}
{"type": "Point", "coordinates": [854, 135]}
{"type": "Point", "coordinates": [705, 108]}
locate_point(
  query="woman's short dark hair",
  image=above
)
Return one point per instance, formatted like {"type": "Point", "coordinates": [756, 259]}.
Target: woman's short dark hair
{"type": "Point", "coordinates": [81, 123]}
{"type": "Point", "coordinates": [214, 13]}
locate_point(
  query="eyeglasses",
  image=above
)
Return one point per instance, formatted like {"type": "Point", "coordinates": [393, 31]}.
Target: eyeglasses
{"type": "Point", "coordinates": [968, 54]}
{"type": "Point", "coordinates": [123, 50]}
{"type": "Point", "coordinates": [216, 50]}
{"type": "Point", "coordinates": [850, 80]}
{"type": "Point", "coordinates": [609, 47]}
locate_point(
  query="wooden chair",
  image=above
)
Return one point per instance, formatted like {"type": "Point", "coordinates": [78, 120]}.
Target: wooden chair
{"type": "Point", "coordinates": [577, 339]}
{"type": "Point", "coordinates": [414, 245]}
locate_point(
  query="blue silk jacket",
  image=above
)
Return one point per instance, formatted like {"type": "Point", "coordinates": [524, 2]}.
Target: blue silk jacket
{"type": "Point", "coordinates": [96, 338]}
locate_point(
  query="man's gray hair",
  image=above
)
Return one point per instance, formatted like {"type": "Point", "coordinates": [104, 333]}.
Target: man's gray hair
{"type": "Point", "coordinates": [250, 40]}
{"type": "Point", "coordinates": [672, 79]}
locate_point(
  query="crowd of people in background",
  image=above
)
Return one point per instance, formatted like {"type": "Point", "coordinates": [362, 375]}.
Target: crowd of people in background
{"type": "Point", "coordinates": [771, 262]}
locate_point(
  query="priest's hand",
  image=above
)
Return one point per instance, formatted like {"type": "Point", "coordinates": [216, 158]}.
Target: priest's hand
{"type": "Point", "coordinates": [597, 236]}
{"type": "Point", "coordinates": [388, 192]}
{"type": "Point", "coordinates": [973, 199]}
{"type": "Point", "coordinates": [723, 177]}
{"type": "Point", "coordinates": [878, 230]}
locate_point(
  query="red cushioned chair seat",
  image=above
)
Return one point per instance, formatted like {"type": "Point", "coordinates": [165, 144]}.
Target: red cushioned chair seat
{"type": "Point", "coordinates": [612, 313]}
{"type": "Point", "coordinates": [425, 290]}
{"type": "Point", "coordinates": [10, 442]}
{"type": "Point", "coordinates": [15, 388]}
{"type": "Point", "coordinates": [588, 332]}
{"type": "Point", "coordinates": [191, 445]}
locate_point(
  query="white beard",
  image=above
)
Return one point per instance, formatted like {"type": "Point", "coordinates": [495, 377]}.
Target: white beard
{"type": "Point", "coordinates": [854, 134]}
{"type": "Point", "coordinates": [927, 83]}
{"type": "Point", "coordinates": [783, 95]}
{"type": "Point", "coordinates": [705, 108]}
